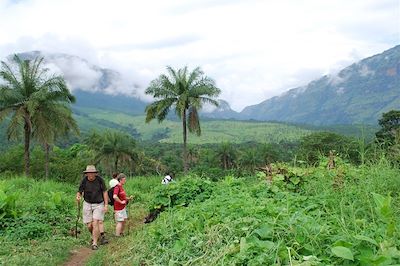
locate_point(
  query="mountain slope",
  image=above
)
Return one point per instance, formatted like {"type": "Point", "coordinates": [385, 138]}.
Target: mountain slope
{"type": "Point", "coordinates": [93, 86]}
{"type": "Point", "coordinates": [359, 93]}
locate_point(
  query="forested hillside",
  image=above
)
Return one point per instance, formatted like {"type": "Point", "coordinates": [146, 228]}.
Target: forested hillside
{"type": "Point", "coordinates": [359, 93]}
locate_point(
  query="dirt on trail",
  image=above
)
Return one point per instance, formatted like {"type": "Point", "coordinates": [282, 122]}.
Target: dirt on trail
{"type": "Point", "coordinates": [79, 257]}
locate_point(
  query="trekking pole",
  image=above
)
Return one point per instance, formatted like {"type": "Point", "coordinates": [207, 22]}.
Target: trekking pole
{"type": "Point", "coordinates": [129, 219]}
{"type": "Point", "coordinates": [129, 215]}
{"type": "Point", "coordinates": [77, 218]}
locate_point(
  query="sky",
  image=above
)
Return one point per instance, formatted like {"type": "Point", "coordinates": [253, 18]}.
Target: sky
{"type": "Point", "coordinates": [253, 49]}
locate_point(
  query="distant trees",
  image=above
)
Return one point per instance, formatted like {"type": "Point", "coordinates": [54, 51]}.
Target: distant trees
{"type": "Point", "coordinates": [186, 92]}
{"type": "Point", "coordinates": [390, 127]}
{"type": "Point", "coordinates": [321, 143]}
{"type": "Point", "coordinates": [250, 159]}
{"type": "Point", "coordinates": [27, 91]}
{"type": "Point", "coordinates": [388, 137]}
{"type": "Point", "coordinates": [227, 155]}
{"type": "Point", "coordinates": [112, 146]}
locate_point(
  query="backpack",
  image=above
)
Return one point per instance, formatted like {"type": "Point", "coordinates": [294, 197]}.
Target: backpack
{"type": "Point", "coordinates": [110, 193]}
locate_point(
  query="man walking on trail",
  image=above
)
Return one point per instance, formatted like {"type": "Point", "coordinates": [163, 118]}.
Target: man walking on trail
{"type": "Point", "coordinates": [95, 204]}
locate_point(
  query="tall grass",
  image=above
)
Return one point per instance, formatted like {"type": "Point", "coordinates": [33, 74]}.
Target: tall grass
{"type": "Point", "coordinates": [346, 216]}
{"type": "Point", "coordinates": [37, 229]}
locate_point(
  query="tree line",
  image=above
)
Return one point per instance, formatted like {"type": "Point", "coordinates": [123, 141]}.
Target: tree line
{"type": "Point", "coordinates": [36, 106]}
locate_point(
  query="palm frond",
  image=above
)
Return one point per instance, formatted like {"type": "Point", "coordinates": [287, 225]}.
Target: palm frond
{"type": "Point", "coordinates": [194, 121]}
{"type": "Point", "coordinates": [8, 75]}
{"type": "Point", "coordinates": [195, 75]}
{"type": "Point", "coordinates": [16, 125]}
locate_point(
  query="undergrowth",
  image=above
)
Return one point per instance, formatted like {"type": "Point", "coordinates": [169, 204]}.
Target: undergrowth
{"type": "Point", "coordinates": [344, 216]}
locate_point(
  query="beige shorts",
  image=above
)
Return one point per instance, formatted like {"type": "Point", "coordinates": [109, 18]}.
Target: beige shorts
{"type": "Point", "coordinates": [121, 215]}
{"type": "Point", "coordinates": [93, 211]}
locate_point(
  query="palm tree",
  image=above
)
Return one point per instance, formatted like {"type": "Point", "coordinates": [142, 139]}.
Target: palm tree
{"type": "Point", "coordinates": [193, 155]}
{"type": "Point", "coordinates": [186, 92]}
{"type": "Point", "coordinates": [226, 154]}
{"type": "Point", "coordinates": [113, 146]}
{"type": "Point", "coordinates": [25, 87]}
{"type": "Point", "coordinates": [50, 122]}
{"type": "Point", "coordinates": [250, 159]}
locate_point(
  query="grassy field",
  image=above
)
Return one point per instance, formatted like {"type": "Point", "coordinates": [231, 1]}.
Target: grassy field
{"type": "Point", "coordinates": [37, 219]}
{"type": "Point", "coordinates": [307, 216]}
{"type": "Point", "coordinates": [212, 131]}
{"type": "Point", "coordinates": [347, 216]}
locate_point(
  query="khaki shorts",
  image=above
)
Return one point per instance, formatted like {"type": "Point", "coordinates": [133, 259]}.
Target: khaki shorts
{"type": "Point", "coordinates": [121, 215]}
{"type": "Point", "coordinates": [93, 211]}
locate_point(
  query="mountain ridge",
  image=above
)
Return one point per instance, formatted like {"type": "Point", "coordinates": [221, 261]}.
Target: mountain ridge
{"type": "Point", "coordinates": [358, 94]}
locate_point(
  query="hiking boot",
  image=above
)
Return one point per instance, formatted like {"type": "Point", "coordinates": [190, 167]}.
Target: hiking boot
{"type": "Point", "coordinates": [103, 240]}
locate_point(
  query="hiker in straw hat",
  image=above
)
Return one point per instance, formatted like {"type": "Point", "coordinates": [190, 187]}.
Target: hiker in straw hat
{"type": "Point", "coordinates": [95, 204]}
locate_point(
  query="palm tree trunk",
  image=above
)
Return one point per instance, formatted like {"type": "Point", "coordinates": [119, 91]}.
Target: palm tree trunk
{"type": "Point", "coordinates": [27, 136]}
{"type": "Point", "coordinates": [185, 165]}
{"type": "Point", "coordinates": [116, 164]}
{"type": "Point", "coordinates": [47, 159]}
{"type": "Point", "coordinates": [225, 163]}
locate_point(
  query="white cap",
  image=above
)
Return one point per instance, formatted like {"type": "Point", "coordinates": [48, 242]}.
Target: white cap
{"type": "Point", "coordinates": [113, 182]}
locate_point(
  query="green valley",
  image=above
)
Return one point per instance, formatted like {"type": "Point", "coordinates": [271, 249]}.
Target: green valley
{"type": "Point", "coordinates": [213, 131]}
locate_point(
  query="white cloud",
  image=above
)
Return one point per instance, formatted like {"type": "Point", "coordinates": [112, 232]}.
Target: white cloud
{"type": "Point", "coordinates": [364, 71]}
{"type": "Point", "coordinates": [253, 49]}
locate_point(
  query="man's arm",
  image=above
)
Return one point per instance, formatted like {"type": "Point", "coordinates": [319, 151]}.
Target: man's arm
{"type": "Point", "coordinates": [80, 190]}
{"type": "Point", "coordinates": [105, 197]}
{"type": "Point", "coordinates": [78, 196]}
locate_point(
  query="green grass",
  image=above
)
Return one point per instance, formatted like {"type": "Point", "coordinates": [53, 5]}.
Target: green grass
{"type": "Point", "coordinates": [348, 216]}
{"type": "Point", "coordinates": [38, 218]}
{"type": "Point", "coordinates": [213, 131]}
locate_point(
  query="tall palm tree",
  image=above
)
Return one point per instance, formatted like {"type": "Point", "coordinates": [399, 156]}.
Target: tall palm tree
{"type": "Point", "coordinates": [25, 85]}
{"type": "Point", "coordinates": [50, 122]}
{"type": "Point", "coordinates": [186, 92]}
{"type": "Point", "coordinates": [113, 146]}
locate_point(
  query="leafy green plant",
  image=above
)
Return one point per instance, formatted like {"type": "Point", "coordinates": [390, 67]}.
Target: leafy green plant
{"type": "Point", "coordinates": [8, 207]}
{"type": "Point", "coordinates": [181, 193]}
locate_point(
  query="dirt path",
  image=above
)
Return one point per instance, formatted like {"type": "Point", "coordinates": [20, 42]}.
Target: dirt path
{"type": "Point", "coordinates": [79, 257]}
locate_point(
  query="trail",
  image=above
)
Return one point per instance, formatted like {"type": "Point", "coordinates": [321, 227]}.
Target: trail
{"type": "Point", "coordinates": [79, 257]}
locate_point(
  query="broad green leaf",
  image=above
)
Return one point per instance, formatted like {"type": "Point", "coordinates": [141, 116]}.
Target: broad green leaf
{"type": "Point", "coordinates": [267, 245]}
{"type": "Point", "coordinates": [265, 231]}
{"type": "Point", "coordinates": [279, 177]}
{"type": "Point", "coordinates": [342, 252]}
{"type": "Point", "coordinates": [366, 238]}
{"type": "Point", "coordinates": [295, 180]}
{"type": "Point", "coordinates": [243, 245]}
{"type": "Point", "coordinates": [383, 206]}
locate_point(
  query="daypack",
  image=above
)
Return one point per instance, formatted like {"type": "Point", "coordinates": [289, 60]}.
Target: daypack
{"type": "Point", "coordinates": [110, 193]}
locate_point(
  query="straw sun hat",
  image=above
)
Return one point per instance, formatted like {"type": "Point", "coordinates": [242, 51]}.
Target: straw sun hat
{"type": "Point", "coordinates": [90, 169]}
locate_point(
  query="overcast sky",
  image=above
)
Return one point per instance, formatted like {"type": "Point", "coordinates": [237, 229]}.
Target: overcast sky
{"type": "Point", "coordinates": [253, 49]}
